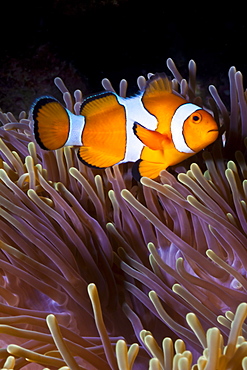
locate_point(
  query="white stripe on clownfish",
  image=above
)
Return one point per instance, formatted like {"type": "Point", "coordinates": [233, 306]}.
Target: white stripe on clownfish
{"type": "Point", "coordinates": [155, 128]}
{"type": "Point", "coordinates": [77, 124]}
{"type": "Point", "coordinates": [135, 112]}
{"type": "Point", "coordinates": [177, 124]}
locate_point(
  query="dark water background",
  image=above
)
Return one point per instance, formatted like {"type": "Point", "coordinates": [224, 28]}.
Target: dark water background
{"type": "Point", "coordinates": [84, 41]}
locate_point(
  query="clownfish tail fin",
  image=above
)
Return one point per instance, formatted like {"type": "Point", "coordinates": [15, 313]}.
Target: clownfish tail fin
{"type": "Point", "coordinates": [51, 123]}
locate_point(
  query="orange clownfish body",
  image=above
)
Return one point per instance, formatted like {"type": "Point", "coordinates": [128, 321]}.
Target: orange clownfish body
{"type": "Point", "coordinates": [155, 129]}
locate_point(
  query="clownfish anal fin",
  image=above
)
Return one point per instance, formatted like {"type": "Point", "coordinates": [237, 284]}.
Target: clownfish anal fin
{"type": "Point", "coordinates": [104, 134]}
{"type": "Point", "coordinates": [153, 139]}
{"type": "Point", "coordinates": [51, 123]}
{"type": "Point", "coordinates": [143, 168]}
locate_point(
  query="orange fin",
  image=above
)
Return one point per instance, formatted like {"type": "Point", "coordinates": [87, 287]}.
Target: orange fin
{"type": "Point", "coordinates": [143, 168]}
{"type": "Point", "coordinates": [51, 123]}
{"type": "Point", "coordinates": [104, 134]}
{"type": "Point", "coordinates": [95, 158]}
{"type": "Point", "coordinates": [159, 100]}
{"type": "Point", "coordinates": [156, 85]}
{"type": "Point", "coordinates": [153, 139]}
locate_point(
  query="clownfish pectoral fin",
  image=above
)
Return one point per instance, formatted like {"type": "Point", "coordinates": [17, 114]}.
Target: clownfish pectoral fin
{"type": "Point", "coordinates": [51, 123]}
{"type": "Point", "coordinates": [143, 168]}
{"type": "Point", "coordinates": [153, 139]}
{"type": "Point", "coordinates": [104, 134]}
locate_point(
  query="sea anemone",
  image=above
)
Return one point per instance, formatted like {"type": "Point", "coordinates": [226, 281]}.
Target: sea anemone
{"type": "Point", "coordinates": [98, 271]}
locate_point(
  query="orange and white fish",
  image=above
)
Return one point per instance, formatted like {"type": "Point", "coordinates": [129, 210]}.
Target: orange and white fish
{"type": "Point", "coordinates": [155, 129]}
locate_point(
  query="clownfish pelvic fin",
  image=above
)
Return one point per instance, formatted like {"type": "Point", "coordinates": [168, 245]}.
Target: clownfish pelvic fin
{"type": "Point", "coordinates": [143, 168]}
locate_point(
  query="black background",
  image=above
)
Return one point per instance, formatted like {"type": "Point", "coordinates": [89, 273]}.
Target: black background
{"type": "Point", "coordinates": [84, 41]}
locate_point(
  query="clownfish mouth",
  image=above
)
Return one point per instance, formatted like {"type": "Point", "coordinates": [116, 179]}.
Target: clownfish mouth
{"type": "Point", "coordinates": [213, 131]}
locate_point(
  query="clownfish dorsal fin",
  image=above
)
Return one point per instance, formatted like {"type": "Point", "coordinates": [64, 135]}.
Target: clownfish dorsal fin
{"type": "Point", "coordinates": [153, 139]}
{"type": "Point", "coordinates": [159, 100]}
{"type": "Point", "coordinates": [104, 134]}
{"type": "Point", "coordinates": [51, 123]}
{"type": "Point", "coordinates": [157, 85]}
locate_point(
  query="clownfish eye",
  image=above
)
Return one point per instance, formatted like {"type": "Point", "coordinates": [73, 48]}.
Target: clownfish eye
{"type": "Point", "coordinates": [196, 117]}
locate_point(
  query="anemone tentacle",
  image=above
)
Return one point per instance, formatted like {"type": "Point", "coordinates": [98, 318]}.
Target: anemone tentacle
{"type": "Point", "coordinates": [100, 272]}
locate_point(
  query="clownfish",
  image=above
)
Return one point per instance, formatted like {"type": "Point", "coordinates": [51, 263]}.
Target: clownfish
{"type": "Point", "coordinates": [155, 129]}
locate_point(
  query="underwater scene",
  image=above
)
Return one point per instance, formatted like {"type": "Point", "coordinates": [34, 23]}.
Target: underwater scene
{"type": "Point", "coordinates": [123, 193]}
